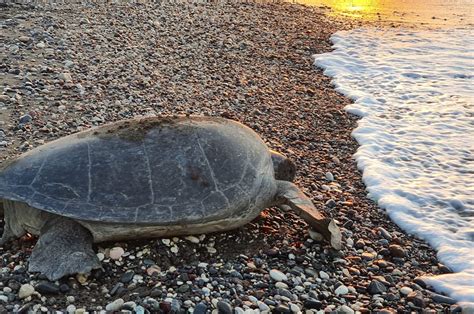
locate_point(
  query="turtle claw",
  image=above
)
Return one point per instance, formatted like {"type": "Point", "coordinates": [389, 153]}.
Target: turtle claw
{"type": "Point", "coordinates": [64, 248]}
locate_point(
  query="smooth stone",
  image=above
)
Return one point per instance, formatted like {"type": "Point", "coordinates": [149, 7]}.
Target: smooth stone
{"type": "Point", "coordinates": [376, 287]}
{"type": "Point", "coordinates": [341, 290]}
{"type": "Point", "coordinates": [345, 309]}
{"type": "Point", "coordinates": [396, 250]}
{"type": "Point", "coordinates": [115, 305]}
{"type": "Point", "coordinates": [139, 309]}
{"type": "Point", "coordinates": [323, 275]}
{"type": "Point", "coordinates": [294, 308]}
{"type": "Point", "coordinates": [329, 176]}
{"type": "Point", "coordinates": [277, 275]}
{"type": "Point", "coordinates": [66, 77]}
{"type": "Point", "coordinates": [438, 298]}
{"type": "Point", "coordinates": [262, 306]}
{"type": "Point", "coordinates": [224, 308]}
{"type": "Point", "coordinates": [25, 119]}
{"type": "Point", "coordinates": [40, 45]}
{"type": "Point", "coordinates": [406, 290]}
{"type": "Point", "coordinates": [281, 309]}
{"type": "Point", "coordinates": [313, 304]}
{"type": "Point", "coordinates": [385, 234]}
{"type": "Point", "coordinates": [200, 308]}
{"type": "Point", "coordinates": [116, 253]}
{"type": "Point", "coordinates": [46, 287]}
{"type": "Point", "coordinates": [127, 276]}
{"type": "Point", "coordinates": [26, 290]}
{"type": "Point", "coordinates": [24, 39]}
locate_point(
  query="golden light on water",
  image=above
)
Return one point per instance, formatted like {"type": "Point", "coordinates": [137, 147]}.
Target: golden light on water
{"type": "Point", "coordinates": [408, 11]}
{"type": "Point", "coordinates": [355, 8]}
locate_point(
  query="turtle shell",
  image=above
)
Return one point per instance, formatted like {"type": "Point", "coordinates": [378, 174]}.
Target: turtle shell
{"type": "Point", "coordinates": [148, 171]}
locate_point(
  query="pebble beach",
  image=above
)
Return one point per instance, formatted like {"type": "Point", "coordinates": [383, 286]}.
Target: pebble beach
{"type": "Point", "coordinates": [72, 67]}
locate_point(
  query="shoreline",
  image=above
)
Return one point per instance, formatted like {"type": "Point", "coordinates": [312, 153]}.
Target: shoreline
{"type": "Point", "coordinates": [249, 62]}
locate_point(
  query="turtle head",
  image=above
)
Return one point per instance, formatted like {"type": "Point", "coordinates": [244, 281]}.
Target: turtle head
{"type": "Point", "coordinates": [283, 167]}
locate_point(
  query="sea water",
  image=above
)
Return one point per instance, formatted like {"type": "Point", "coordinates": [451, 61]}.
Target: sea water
{"type": "Point", "coordinates": [414, 90]}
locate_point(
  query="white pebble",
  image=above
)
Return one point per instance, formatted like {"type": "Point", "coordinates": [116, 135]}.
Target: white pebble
{"type": "Point", "coordinates": [277, 275]}
{"type": "Point", "coordinates": [116, 253]}
{"type": "Point", "coordinates": [115, 305]}
{"type": "Point", "coordinates": [323, 275]}
{"type": "Point", "coordinates": [341, 290]}
{"type": "Point", "coordinates": [192, 239]}
{"type": "Point", "coordinates": [26, 290]}
{"type": "Point", "coordinates": [406, 290]}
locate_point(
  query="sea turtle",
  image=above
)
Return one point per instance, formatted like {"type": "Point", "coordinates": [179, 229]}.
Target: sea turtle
{"type": "Point", "coordinates": [144, 178]}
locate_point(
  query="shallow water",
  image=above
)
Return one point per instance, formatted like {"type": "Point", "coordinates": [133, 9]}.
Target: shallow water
{"type": "Point", "coordinates": [420, 12]}
{"type": "Point", "coordinates": [413, 89]}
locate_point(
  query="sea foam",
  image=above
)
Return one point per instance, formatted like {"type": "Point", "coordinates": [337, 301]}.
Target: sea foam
{"type": "Point", "coordinates": [414, 91]}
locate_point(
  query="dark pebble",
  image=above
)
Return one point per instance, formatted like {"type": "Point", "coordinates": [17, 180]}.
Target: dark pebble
{"type": "Point", "coordinates": [46, 287]}
{"type": "Point", "coordinates": [312, 304]}
{"type": "Point", "coordinates": [127, 276]}
{"type": "Point", "coordinates": [25, 119]}
{"type": "Point", "coordinates": [183, 288]}
{"type": "Point", "coordinates": [420, 282]}
{"type": "Point", "coordinates": [416, 297]}
{"type": "Point", "coordinates": [200, 308]}
{"type": "Point", "coordinates": [64, 288]}
{"type": "Point", "coordinates": [376, 287]}
{"type": "Point", "coordinates": [396, 250]}
{"type": "Point", "coordinates": [281, 309]}
{"type": "Point", "coordinates": [224, 308]}
{"type": "Point", "coordinates": [438, 298]}
{"type": "Point", "coordinates": [165, 307]}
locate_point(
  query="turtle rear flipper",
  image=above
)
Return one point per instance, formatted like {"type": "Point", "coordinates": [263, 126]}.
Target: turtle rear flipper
{"type": "Point", "coordinates": [291, 195]}
{"type": "Point", "coordinates": [63, 248]}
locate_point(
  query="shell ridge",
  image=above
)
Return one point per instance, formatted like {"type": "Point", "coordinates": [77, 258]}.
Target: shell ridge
{"type": "Point", "coordinates": [211, 171]}
{"type": "Point", "coordinates": [150, 180]}
{"type": "Point", "coordinates": [89, 166]}
{"type": "Point", "coordinates": [39, 170]}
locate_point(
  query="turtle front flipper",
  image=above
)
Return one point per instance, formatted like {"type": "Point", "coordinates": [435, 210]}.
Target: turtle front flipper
{"type": "Point", "coordinates": [63, 248]}
{"type": "Point", "coordinates": [291, 195]}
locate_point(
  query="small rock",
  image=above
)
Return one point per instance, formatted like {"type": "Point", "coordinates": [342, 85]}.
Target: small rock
{"type": "Point", "coordinates": [277, 275]}
{"type": "Point", "coordinates": [323, 275]}
{"type": "Point", "coordinates": [115, 305]}
{"type": "Point", "coordinates": [24, 39]}
{"type": "Point", "coordinates": [406, 290]}
{"type": "Point", "coordinates": [46, 287]}
{"type": "Point", "coordinates": [316, 236]}
{"type": "Point", "coordinates": [66, 77]}
{"type": "Point", "coordinates": [385, 234]}
{"type": "Point", "coordinates": [41, 44]}
{"type": "Point", "coordinates": [200, 308]}
{"type": "Point", "coordinates": [26, 290]}
{"type": "Point", "coordinates": [438, 298]}
{"type": "Point", "coordinates": [224, 308]}
{"type": "Point", "coordinates": [127, 276]}
{"type": "Point", "coordinates": [25, 119]}
{"type": "Point", "coordinates": [376, 287]}
{"type": "Point", "coordinates": [341, 290]}
{"type": "Point", "coordinates": [153, 269]}
{"type": "Point", "coordinates": [329, 176]}
{"type": "Point", "coordinates": [192, 239]}
{"type": "Point", "coordinates": [396, 250]}
{"type": "Point", "coordinates": [345, 309]}
{"type": "Point", "coordinates": [116, 253]}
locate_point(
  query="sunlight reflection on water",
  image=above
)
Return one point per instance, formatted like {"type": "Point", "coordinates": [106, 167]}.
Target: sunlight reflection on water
{"type": "Point", "coordinates": [433, 12]}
